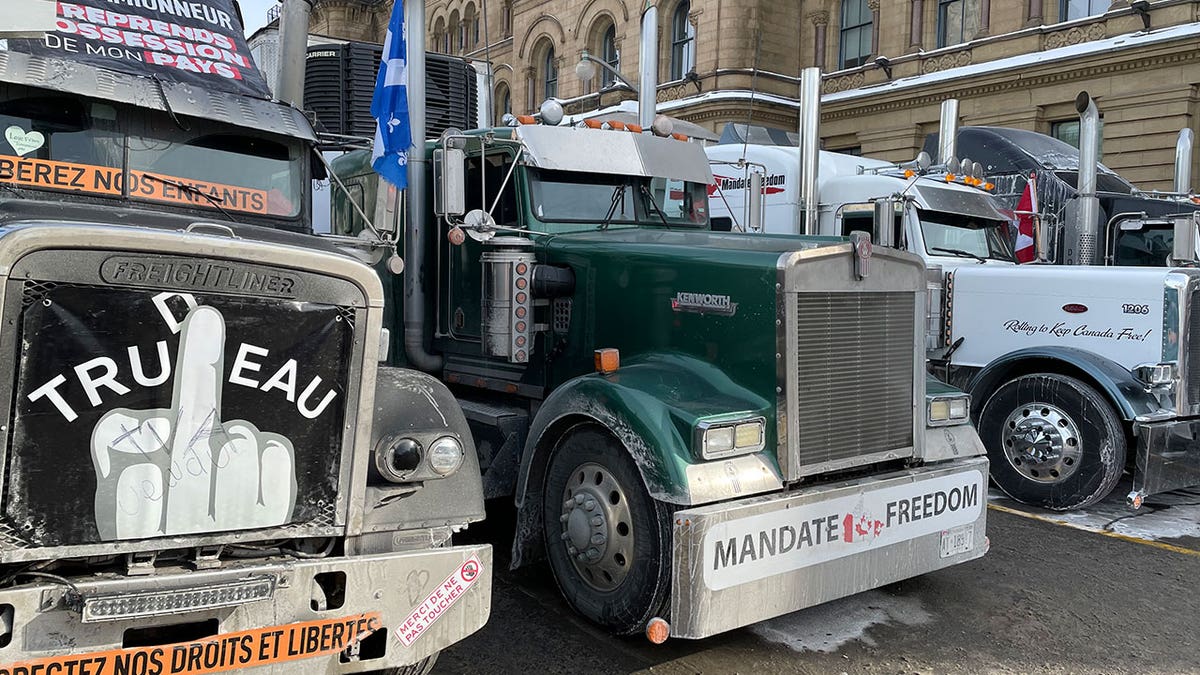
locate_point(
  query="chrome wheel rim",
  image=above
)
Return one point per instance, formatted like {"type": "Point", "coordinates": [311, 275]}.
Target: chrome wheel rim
{"type": "Point", "coordinates": [597, 527]}
{"type": "Point", "coordinates": [1042, 442]}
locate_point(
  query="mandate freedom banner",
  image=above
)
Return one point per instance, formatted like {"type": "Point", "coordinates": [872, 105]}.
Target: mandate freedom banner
{"type": "Point", "coordinates": [198, 43]}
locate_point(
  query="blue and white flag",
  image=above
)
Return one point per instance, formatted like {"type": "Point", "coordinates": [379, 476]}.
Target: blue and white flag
{"type": "Point", "coordinates": [389, 107]}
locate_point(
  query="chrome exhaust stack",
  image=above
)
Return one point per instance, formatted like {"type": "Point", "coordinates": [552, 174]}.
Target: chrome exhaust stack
{"type": "Point", "coordinates": [810, 148]}
{"type": "Point", "coordinates": [293, 51]}
{"type": "Point", "coordinates": [1183, 161]}
{"type": "Point", "coordinates": [648, 61]}
{"type": "Point", "coordinates": [418, 172]}
{"type": "Point", "coordinates": [1082, 241]}
{"type": "Point", "coordinates": [948, 132]}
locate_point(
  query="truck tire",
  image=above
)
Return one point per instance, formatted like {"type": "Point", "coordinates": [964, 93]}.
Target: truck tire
{"type": "Point", "coordinates": [607, 540]}
{"type": "Point", "coordinates": [1053, 441]}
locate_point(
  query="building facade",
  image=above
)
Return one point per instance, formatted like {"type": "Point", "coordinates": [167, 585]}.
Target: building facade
{"type": "Point", "coordinates": [888, 64]}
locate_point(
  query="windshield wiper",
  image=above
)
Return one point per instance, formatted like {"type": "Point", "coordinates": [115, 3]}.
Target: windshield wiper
{"type": "Point", "coordinates": [618, 197]}
{"type": "Point", "coordinates": [661, 216]}
{"type": "Point", "coordinates": [193, 190]}
{"type": "Point", "coordinates": [960, 253]}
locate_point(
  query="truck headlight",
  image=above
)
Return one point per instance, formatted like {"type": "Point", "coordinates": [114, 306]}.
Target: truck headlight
{"type": "Point", "coordinates": [396, 459]}
{"type": "Point", "coordinates": [445, 455]}
{"type": "Point", "coordinates": [719, 440]}
{"type": "Point", "coordinates": [1155, 374]}
{"type": "Point", "coordinates": [945, 411]}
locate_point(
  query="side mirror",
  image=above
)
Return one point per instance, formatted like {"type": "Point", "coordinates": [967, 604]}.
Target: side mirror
{"type": "Point", "coordinates": [1184, 249]}
{"type": "Point", "coordinates": [1041, 244]}
{"type": "Point", "coordinates": [389, 210]}
{"type": "Point", "coordinates": [885, 222]}
{"type": "Point", "coordinates": [450, 182]}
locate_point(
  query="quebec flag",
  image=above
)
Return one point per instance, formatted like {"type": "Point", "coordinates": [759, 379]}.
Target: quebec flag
{"type": "Point", "coordinates": [389, 107]}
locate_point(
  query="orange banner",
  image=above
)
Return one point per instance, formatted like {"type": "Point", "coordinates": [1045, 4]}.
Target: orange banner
{"type": "Point", "coordinates": [109, 181]}
{"type": "Point", "coordinates": [258, 647]}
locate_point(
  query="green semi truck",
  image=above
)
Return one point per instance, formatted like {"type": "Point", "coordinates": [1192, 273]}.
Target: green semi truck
{"type": "Point", "coordinates": [700, 430]}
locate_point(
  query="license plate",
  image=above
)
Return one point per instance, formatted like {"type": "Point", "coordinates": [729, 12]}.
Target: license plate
{"type": "Point", "coordinates": [958, 540]}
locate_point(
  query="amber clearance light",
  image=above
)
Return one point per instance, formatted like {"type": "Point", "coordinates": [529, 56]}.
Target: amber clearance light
{"type": "Point", "coordinates": [607, 361]}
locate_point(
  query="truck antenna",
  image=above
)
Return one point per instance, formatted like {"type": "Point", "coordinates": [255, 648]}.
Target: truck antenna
{"type": "Point", "coordinates": [753, 91]}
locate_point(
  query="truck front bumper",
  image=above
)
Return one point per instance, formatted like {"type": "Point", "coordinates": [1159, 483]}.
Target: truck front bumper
{"type": "Point", "coordinates": [332, 615]}
{"type": "Point", "coordinates": [1168, 457]}
{"type": "Point", "coordinates": [741, 562]}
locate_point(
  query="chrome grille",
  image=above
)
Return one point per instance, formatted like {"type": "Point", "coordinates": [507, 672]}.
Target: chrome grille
{"type": "Point", "coordinates": [1192, 338]}
{"type": "Point", "coordinates": [855, 365]}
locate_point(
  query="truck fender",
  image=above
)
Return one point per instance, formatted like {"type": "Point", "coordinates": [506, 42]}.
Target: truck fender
{"type": "Point", "coordinates": [1118, 385]}
{"type": "Point", "coordinates": [635, 406]}
{"type": "Point", "coordinates": [409, 403]}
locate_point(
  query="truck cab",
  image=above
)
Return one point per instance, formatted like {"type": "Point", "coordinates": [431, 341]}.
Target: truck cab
{"type": "Point", "coordinates": [206, 467]}
{"type": "Point", "coordinates": [1135, 227]}
{"type": "Point", "coordinates": [687, 420]}
{"type": "Point", "coordinates": [1040, 348]}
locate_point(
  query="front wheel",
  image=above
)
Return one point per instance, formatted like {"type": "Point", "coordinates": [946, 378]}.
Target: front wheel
{"type": "Point", "coordinates": [1053, 441]}
{"type": "Point", "coordinates": [607, 540]}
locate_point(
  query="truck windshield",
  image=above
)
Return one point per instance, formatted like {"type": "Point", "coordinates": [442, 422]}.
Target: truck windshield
{"type": "Point", "coordinates": [603, 199]}
{"type": "Point", "coordinates": [97, 149]}
{"type": "Point", "coordinates": [948, 233]}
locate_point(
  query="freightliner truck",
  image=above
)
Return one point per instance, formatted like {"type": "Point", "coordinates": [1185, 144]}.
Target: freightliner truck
{"type": "Point", "coordinates": [1076, 374]}
{"type": "Point", "coordinates": [700, 430]}
{"type": "Point", "coordinates": [205, 465]}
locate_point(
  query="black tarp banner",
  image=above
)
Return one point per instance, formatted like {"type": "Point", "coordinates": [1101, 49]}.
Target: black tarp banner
{"type": "Point", "coordinates": [143, 414]}
{"type": "Point", "coordinates": [191, 41]}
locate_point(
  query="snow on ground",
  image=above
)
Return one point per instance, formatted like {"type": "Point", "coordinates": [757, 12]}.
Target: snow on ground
{"type": "Point", "coordinates": [1164, 517]}
{"type": "Point", "coordinates": [826, 628]}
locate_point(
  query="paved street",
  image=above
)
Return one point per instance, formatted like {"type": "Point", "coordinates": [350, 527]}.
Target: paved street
{"type": "Point", "coordinates": [1056, 597]}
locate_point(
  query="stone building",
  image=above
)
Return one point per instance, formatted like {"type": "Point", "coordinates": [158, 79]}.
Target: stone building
{"type": "Point", "coordinates": [888, 63]}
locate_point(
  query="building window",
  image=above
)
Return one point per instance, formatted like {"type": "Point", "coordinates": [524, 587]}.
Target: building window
{"type": "Point", "coordinates": [683, 42]}
{"type": "Point", "coordinates": [855, 151]}
{"type": "Point", "coordinates": [475, 29]}
{"type": "Point", "coordinates": [506, 19]}
{"type": "Point", "coordinates": [549, 74]}
{"type": "Point", "coordinates": [608, 48]}
{"type": "Point", "coordinates": [1067, 131]}
{"type": "Point", "coordinates": [503, 101]}
{"type": "Point", "coordinates": [856, 34]}
{"type": "Point", "coordinates": [1079, 9]}
{"type": "Point", "coordinates": [958, 21]}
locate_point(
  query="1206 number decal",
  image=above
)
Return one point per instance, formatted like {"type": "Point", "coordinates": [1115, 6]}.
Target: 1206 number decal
{"type": "Point", "coordinates": [1135, 309]}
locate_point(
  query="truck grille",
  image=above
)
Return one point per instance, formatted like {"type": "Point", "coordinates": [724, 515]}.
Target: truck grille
{"type": "Point", "coordinates": [1193, 351]}
{"type": "Point", "coordinates": [855, 363]}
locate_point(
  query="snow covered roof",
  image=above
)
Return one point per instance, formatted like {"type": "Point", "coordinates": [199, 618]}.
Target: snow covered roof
{"type": "Point", "coordinates": [1112, 44]}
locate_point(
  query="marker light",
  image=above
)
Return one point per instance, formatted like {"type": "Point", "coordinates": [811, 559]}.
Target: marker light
{"type": "Point", "coordinates": [607, 361]}
{"type": "Point", "coordinates": [123, 606]}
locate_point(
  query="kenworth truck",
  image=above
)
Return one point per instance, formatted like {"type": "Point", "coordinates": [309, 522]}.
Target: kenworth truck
{"type": "Point", "coordinates": [1076, 374]}
{"type": "Point", "coordinates": [205, 466]}
{"type": "Point", "coordinates": [700, 430]}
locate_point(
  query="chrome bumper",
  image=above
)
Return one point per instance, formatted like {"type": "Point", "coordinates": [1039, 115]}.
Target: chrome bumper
{"type": "Point", "coordinates": [1168, 457]}
{"type": "Point", "coordinates": [741, 562]}
{"type": "Point", "coordinates": [334, 615]}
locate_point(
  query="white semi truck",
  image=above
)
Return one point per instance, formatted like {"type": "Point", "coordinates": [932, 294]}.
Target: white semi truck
{"type": "Point", "coordinates": [1077, 373]}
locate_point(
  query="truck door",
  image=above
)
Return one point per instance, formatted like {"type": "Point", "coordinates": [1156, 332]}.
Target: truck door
{"type": "Point", "coordinates": [460, 269]}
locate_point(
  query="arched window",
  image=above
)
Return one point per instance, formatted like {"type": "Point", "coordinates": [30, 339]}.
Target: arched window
{"type": "Point", "coordinates": [608, 47]}
{"type": "Point", "coordinates": [856, 34]}
{"type": "Point", "coordinates": [549, 74]}
{"type": "Point", "coordinates": [683, 42]}
{"type": "Point", "coordinates": [503, 101]}
{"type": "Point", "coordinates": [439, 36]}
{"type": "Point", "coordinates": [455, 32]}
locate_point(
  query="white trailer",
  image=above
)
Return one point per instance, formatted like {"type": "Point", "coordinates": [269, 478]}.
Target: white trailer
{"type": "Point", "coordinates": [1077, 373]}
